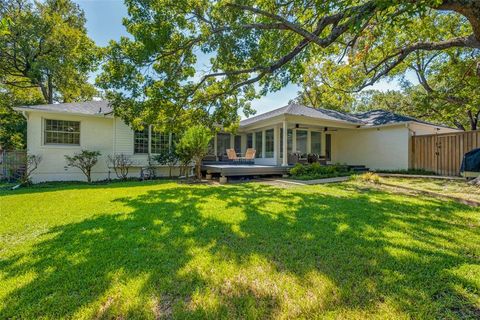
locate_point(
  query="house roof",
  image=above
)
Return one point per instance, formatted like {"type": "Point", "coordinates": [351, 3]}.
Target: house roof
{"type": "Point", "coordinates": [365, 119]}
{"type": "Point", "coordinates": [383, 117]}
{"type": "Point", "coordinates": [87, 108]}
{"type": "Point", "coordinates": [295, 109]}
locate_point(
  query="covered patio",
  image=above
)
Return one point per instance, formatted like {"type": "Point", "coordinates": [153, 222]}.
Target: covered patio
{"type": "Point", "coordinates": [282, 138]}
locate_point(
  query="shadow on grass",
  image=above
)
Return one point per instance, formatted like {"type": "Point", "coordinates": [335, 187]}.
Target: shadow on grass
{"type": "Point", "coordinates": [372, 248]}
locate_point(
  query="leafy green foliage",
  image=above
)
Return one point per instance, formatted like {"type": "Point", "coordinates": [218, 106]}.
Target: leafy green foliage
{"type": "Point", "coordinates": [255, 47]}
{"type": "Point", "coordinates": [85, 161]}
{"type": "Point", "coordinates": [13, 126]}
{"type": "Point", "coordinates": [47, 47]}
{"type": "Point", "coordinates": [167, 157]}
{"type": "Point", "coordinates": [449, 81]}
{"type": "Point", "coordinates": [318, 171]}
{"type": "Point", "coordinates": [193, 146]}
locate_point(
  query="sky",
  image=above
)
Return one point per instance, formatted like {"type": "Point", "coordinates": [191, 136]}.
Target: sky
{"type": "Point", "coordinates": [104, 23]}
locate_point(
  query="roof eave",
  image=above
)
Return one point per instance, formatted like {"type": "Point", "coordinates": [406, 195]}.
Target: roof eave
{"type": "Point", "coordinates": [98, 115]}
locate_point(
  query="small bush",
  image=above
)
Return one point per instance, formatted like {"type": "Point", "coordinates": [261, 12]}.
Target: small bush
{"type": "Point", "coordinates": [318, 171]}
{"type": "Point", "coordinates": [369, 177]}
{"type": "Point", "coordinates": [85, 161]}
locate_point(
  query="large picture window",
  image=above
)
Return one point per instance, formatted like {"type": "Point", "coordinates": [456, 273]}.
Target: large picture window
{"type": "Point", "coordinates": [258, 144]}
{"type": "Point", "coordinates": [269, 143]}
{"type": "Point", "coordinates": [62, 132]}
{"type": "Point", "coordinates": [159, 141]}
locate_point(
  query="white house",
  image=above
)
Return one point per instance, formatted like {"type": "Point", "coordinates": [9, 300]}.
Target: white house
{"type": "Point", "coordinates": [376, 139]}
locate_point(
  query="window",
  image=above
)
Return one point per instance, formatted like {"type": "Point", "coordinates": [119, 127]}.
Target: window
{"type": "Point", "coordinates": [315, 143]}
{"type": "Point", "coordinates": [238, 144]}
{"type": "Point", "coordinates": [160, 142]}
{"type": "Point", "coordinates": [289, 141]}
{"type": "Point", "coordinates": [62, 132]}
{"type": "Point", "coordinates": [269, 143]}
{"type": "Point", "coordinates": [258, 144]}
{"type": "Point", "coordinates": [249, 140]}
{"type": "Point", "coordinates": [302, 141]}
{"type": "Point", "coordinates": [140, 141]}
{"type": "Point", "coordinates": [223, 143]}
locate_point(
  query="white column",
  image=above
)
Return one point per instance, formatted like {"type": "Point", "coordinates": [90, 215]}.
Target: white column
{"type": "Point", "coordinates": [215, 145]}
{"type": "Point", "coordinates": [294, 140]}
{"type": "Point", "coordinates": [263, 143]}
{"type": "Point", "coordinates": [285, 145]}
{"type": "Point", "coordinates": [309, 141]}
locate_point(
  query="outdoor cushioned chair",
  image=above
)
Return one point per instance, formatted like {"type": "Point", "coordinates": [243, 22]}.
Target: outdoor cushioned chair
{"type": "Point", "coordinates": [250, 154]}
{"type": "Point", "coordinates": [232, 155]}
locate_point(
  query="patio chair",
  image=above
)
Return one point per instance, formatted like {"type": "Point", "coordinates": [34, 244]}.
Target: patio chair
{"type": "Point", "coordinates": [232, 155]}
{"type": "Point", "coordinates": [250, 154]}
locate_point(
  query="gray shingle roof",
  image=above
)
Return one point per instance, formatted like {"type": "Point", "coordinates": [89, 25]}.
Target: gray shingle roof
{"type": "Point", "coordinates": [383, 117]}
{"type": "Point", "coordinates": [370, 118]}
{"type": "Point", "coordinates": [87, 108]}
{"type": "Point", "coordinates": [300, 110]}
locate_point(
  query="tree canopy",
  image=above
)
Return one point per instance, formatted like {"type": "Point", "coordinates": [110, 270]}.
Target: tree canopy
{"type": "Point", "coordinates": [44, 45]}
{"type": "Point", "coordinates": [255, 47]}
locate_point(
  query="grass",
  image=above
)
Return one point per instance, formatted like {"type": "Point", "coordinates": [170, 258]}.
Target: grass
{"type": "Point", "coordinates": [456, 188]}
{"type": "Point", "coordinates": [165, 250]}
{"type": "Point", "coordinates": [409, 171]}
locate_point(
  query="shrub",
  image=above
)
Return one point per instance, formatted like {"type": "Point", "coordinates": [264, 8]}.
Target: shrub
{"type": "Point", "coordinates": [317, 171]}
{"type": "Point", "coordinates": [167, 158]}
{"type": "Point", "coordinates": [297, 170]}
{"type": "Point", "coordinates": [369, 177]}
{"type": "Point", "coordinates": [85, 161]}
{"type": "Point", "coordinates": [31, 164]}
{"type": "Point", "coordinates": [121, 163]}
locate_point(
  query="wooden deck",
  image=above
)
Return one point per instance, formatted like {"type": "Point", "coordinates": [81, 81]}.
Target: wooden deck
{"type": "Point", "coordinates": [230, 170]}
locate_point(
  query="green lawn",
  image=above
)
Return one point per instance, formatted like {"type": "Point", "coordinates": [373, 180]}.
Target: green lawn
{"type": "Point", "coordinates": [456, 188]}
{"type": "Point", "coordinates": [165, 250]}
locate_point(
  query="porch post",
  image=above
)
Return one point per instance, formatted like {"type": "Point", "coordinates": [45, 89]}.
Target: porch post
{"type": "Point", "coordinates": [285, 145]}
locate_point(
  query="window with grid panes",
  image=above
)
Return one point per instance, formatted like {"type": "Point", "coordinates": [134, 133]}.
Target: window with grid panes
{"type": "Point", "coordinates": [62, 132]}
{"type": "Point", "coordinates": [140, 141]}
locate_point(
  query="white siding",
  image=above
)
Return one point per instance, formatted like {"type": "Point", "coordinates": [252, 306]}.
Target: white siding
{"type": "Point", "coordinates": [382, 148]}
{"type": "Point", "coordinates": [95, 134]}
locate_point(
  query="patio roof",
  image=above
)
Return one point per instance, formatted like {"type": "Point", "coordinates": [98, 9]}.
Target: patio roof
{"type": "Point", "coordinates": [295, 109]}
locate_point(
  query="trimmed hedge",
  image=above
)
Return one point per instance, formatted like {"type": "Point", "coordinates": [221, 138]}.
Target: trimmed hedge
{"type": "Point", "coordinates": [318, 171]}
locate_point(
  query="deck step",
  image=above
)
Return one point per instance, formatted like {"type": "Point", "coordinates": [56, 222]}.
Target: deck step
{"type": "Point", "coordinates": [358, 168]}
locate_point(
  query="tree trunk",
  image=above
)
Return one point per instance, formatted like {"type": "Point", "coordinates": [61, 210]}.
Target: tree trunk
{"type": "Point", "coordinates": [473, 118]}
{"type": "Point", "coordinates": [50, 90]}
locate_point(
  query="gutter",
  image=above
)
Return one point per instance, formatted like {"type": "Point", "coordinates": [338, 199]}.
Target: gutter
{"type": "Point", "coordinates": [99, 115]}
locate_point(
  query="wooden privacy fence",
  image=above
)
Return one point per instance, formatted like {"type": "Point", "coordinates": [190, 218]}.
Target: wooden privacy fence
{"type": "Point", "coordinates": [442, 153]}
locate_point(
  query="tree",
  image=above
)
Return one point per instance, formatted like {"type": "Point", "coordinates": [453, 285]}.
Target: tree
{"type": "Point", "coordinates": [121, 164]}
{"type": "Point", "coordinates": [193, 145]}
{"type": "Point", "coordinates": [85, 161]}
{"type": "Point", "coordinates": [46, 47]}
{"type": "Point", "coordinates": [256, 47]}
{"type": "Point", "coordinates": [13, 125]}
